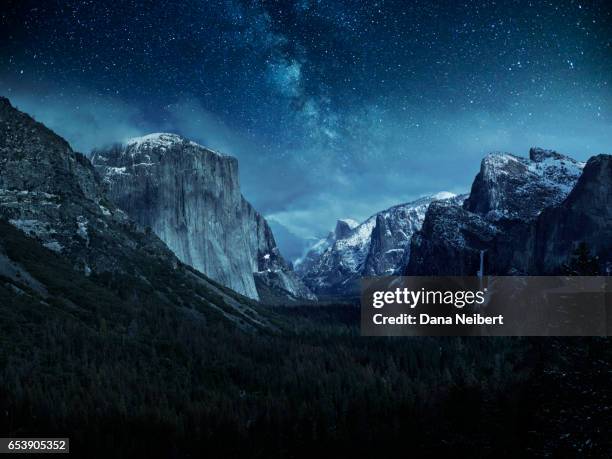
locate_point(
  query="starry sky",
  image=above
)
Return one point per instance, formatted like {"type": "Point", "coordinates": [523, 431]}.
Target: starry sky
{"type": "Point", "coordinates": [334, 108]}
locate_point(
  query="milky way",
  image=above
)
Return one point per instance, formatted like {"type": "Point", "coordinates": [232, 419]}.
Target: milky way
{"type": "Point", "coordinates": [333, 108]}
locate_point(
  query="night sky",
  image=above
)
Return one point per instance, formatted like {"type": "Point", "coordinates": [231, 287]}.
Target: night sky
{"type": "Point", "coordinates": [333, 108]}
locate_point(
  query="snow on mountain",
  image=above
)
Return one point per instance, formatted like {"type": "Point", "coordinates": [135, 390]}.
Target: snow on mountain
{"type": "Point", "coordinates": [161, 140]}
{"type": "Point", "coordinates": [190, 197]}
{"type": "Point", "coordinates": [158, 139]}
{"type": "Point", "coordinates": [514, 187]}
{"type": "Point", "coordinates": [54, 196]}
{"type": "Point", "coordinates": [443, 195]}
{"type": "Point", "coordinates": [507, 197]}
{"type": "Point", "coordinates": [373, 247]}
{"type": "Point", "coordinates": [352, 224]}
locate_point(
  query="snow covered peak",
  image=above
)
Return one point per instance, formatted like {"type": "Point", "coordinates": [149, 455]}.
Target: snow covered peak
{"type": "Point", "coordinates": [144, 154]}
{"type": "Point", "coordinates": [541, 154]}
{"type": "Point", "coordinates": [349, 222]}
{"type": "Point", "coordinates": [157, 139]}
{"type": "Point", "coordinates": [500, 158]}
{"type": "Point", "coordinates": [161, 141]}
{"type": "Point", "coordinates": [510, 186]}
{"type": "Point", "coordinates": [443, 195]}
{"type": "Point", "coordinates": [374, 247]}
{"type": "Point", "coordinates": [344, 227]}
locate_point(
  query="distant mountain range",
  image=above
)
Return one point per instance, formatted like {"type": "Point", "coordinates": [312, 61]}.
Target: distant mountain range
{"type": "Point", "coordinates": [165, 213]}
{"type": "Point", "coordinates": [374, 247]}
{"type": "Point", "coordinates": [521, 217]}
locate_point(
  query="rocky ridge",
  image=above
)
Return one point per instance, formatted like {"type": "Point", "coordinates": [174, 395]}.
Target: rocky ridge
{"type": "Point", "coordinates": [515, 220]}
{"type": "Point", "coordinates": [513, 187]}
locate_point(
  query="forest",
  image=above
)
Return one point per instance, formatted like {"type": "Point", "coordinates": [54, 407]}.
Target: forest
{"type": "Point", "coordinates": [125, 375]}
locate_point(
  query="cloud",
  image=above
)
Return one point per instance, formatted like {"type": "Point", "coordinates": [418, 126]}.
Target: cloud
{"type": "Point", "coordinates": [189, 118]}
{"type": "Point", "coordinates": [85, 120]}
{"type": "Point", "coordinates": [91, 121]}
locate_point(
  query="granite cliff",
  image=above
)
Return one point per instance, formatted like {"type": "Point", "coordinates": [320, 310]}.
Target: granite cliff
{"type": "Point", "coordinates": [53, 204]}
{"type": "Point", "coordinates": [524, 216]}
{"type": "Point", "coordinates": [190, 197]}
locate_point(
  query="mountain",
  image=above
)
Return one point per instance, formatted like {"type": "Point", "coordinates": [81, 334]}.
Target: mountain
{"type": "Point", "coordinates": [375, 247]}
{"type": "Point", "coordinates": [450, 241]}
{"type": "Point", "coordinates": [190, 197]}
{"type": "Point", "coordinates": [585, 216]}
{"type": "Point", "coordinates": [513, 187]}
{"type": "Point", "coordinates": [523, 216]}
{"type": "Point", "coordinates": [86, 248]}
{"type": "Point", "coordinates": [311, 258]}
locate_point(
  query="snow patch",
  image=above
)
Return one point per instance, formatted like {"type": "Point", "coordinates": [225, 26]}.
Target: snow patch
{"type": "Point", "coordinates": [54, 245]}
{"type": "Point", "coordinates": [115, 171]}
{"type": "Point", "coordinates": [157, 139]}
{"type": "Point", "coordinates": [82, 223]}
{"type": "Point", "coordinates": [352, 224]}
{"type": "Point", "coordinates": [443, 195]}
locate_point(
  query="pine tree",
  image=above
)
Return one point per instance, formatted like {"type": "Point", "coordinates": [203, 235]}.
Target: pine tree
{"type": "Point", "coordinates": [581, 263]}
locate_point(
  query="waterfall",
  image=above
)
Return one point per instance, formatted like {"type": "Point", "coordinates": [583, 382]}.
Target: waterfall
{"type": "Point", "coordinates": [480, 272]}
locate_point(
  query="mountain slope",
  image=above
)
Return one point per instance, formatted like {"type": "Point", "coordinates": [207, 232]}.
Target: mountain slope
{"type": "Point", "coordinates": [514, 221]}
{"type": "Point", "coordinates": [54, 196]}
{"type": "Point", "coordinates": [190, 197]}
{"type": "Point", "coordinates": [290, 244]}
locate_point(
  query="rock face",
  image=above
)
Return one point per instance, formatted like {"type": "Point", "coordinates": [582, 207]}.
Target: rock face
{"type": "Point", "coordinates": [55, 197]}
{"type": "Point", "coordinates": [512, 187]}
{"type": "Point", "coordinates": [190, 197]}
{"type": "Point", "coordinates": [375, 247]}
{"type": "Point", "coordinates": [450, 241]}
{"type": "Point", "coordinates": [585, 216]}
{"type": "Point", "coordinates": [52, 193]}
{"type": "Point", "coordinates": [344, 227]}
{"type": "Point", "coordinates": [523, 216]}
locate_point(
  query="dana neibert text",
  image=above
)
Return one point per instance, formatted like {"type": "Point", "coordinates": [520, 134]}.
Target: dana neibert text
{"type": "Point", "coordinates": [426, 319]}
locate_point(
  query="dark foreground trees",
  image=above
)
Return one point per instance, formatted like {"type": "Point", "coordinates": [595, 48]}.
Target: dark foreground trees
{"type": "Point", "coordinates": [130, 377]}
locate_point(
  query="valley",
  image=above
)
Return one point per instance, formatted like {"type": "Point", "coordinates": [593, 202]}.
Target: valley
{"type": "Point", "coordinates": [109, 333]}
